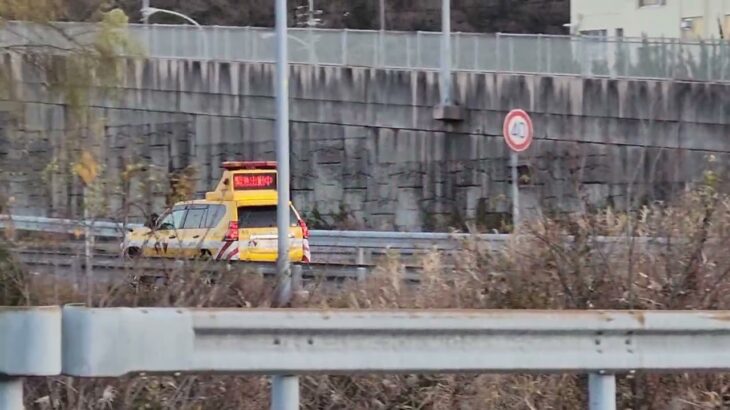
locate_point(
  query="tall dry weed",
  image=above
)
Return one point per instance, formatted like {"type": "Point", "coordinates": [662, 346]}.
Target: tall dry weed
{"type": "Point", "coordinates": [661, 257]}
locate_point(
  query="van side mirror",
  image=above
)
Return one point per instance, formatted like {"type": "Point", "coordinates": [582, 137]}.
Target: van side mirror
{"type": "Point", "coordinates": [152, 221]}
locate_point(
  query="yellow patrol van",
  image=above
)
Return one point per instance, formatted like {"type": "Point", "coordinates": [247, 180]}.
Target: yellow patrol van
{"type": "Point", "coordinates": [236, 221]}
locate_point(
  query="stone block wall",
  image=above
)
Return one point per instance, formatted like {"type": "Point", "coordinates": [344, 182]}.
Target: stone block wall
{"type": "Point", "coordinates": [366, 151]}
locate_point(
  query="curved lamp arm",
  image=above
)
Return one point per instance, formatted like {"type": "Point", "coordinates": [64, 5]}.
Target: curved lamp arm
{"type": "Point", "coordinates": [149, 11]}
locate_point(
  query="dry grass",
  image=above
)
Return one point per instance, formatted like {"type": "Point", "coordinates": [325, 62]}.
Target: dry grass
{"type": "Point", "coordinates": [539, 269]}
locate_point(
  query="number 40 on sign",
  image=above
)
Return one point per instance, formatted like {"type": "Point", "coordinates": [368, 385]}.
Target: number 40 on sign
{"type": "Point", "coordinates": [518, 130]}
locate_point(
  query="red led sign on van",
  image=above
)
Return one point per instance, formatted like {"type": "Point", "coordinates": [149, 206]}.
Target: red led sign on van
{"type": "Point", "coordinates": [254, 181]}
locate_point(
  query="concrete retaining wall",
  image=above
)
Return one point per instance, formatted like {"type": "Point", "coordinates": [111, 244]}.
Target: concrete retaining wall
{"type": "Point", "coordinates": [366, 150]}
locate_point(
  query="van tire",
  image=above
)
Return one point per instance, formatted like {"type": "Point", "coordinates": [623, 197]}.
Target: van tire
{"type": "Point", "coordinates": [205, 255]}
{"type": "Point", "coordinates": [132, 253]}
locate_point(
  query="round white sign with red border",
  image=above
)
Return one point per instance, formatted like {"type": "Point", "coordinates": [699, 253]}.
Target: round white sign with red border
{"type": "Point", "coordinates": [517, 130]}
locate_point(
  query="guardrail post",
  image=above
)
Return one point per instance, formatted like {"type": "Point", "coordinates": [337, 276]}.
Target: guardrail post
{"type": "Point", "coordinates": [89, 259]}
{"type": "Point", "coordinates": [360, 261]}
{"type": "Point", "coordinates": [285, 393]}
{"type": "Point", "coordinates": [296, 277]}
{"type": "Point", "coordinates": [602, 391]}
{"type": "Point", "coordinates": [11, 393]}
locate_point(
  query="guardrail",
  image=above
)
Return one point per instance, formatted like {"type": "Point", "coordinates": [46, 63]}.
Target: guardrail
{"type": "Point", "coordinates": [322, 238]}
{"type": "Point", "coordinates": [102, 229]}
{"type": "Point", "coordinates": [109, 268]}
{"type": "Point", "coordinates": [286, 343]}
{"type": "Point", "coordinates": [30, 345]}
{"type": "Point", "coordinates": [340, 244]}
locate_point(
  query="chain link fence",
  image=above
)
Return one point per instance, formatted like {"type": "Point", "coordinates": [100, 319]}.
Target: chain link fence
{"type": "Point", "coordinates": [544, 54]}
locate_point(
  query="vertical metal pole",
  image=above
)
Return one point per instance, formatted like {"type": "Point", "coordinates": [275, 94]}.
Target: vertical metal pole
{"type": "Point", "coordinates": [381, 49]}
{"type": "Point", "coordinates": [382, 15]}
{"type": "Point", "coordinates": [376, 51]}
{"type": "Point", "coordinates": [203, 42]}
{"type": "Point", "coordinates": [297, 280]}
{"type": "Point", "coordinates": [88, 249]}
{"type": "Point", "coordinates": [11, 393]}
{"type": "Point", "coordinates": [360, 261]}
{"type": "Point", "coordinates": [549, 55]}
{"type": "Point", "coordinates": [145, 5]}
{"type": "Point", "coordinates": [445, 52]}
{"type": "Point", "coordinates": [582, 55]}
{"type": "Point", "coordinates": [285, 393]}
{"type": "Point", "coordinates": [284, 291]}
{"type": "Point", "coordinates": [255, 46]}
{"type": "Point", "coordinates": [511, 54]}
{"type": "Point", "coordinates": [538, 68]}
{"type": "Point", "coordinates": [343, 39]}
{"type": "Point", "coordinates": [602, 391]}
{"type": "Point", "coordinates": [499, 52]}
{"type": "Point", "coordinates": [310, 40]}
{"type": "Point", "coordinates": [515, 192]}
{"type": "Point", "coordinates": [408, 51]}
{"type": "Point", "coordinates": [476, 51]}
{"type": "Point", "coordinates": [145, 21]}
{"type": "Point", "coordinates": [248, 53]}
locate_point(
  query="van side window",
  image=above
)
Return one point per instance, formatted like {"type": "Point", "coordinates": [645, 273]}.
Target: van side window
{"type": "Point", "coordinates": [195, 216]}
{"type": "Point", "coordinates": [261, 217]}
{"type": "Point", "coordinates": [173, 219]}
{"type": "Point", "coordinates": [213, 216]}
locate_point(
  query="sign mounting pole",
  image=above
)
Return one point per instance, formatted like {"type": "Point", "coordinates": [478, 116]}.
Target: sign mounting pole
{"type": "Point", "coordinates": [518, 133]}
{"type": "Point", "coordinates": [515, 190]}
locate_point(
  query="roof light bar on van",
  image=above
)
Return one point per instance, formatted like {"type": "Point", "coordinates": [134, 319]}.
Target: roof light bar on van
{"type": "Point", "coordinates": [236, 165]}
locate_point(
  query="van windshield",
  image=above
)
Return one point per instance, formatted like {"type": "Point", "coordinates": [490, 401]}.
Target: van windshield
{"type": "Point", "coordinates": [172, 219]}
{"type": "Point", "coordinates": [261, 217]}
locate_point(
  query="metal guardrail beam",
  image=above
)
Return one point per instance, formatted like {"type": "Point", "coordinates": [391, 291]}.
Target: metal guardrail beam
{"type": "Point", "coordinates": [102, 229]}
{"type": "Point", "coordinates": [30, 345]}
{"type": "Point", "coordinates": [319, 238]}
{"type": "Point", "coordinates": [158, 266]}
{"type": "Point", "coordinates": [118, 341]}
{"type": "Point", "coordinates": [113, 342]}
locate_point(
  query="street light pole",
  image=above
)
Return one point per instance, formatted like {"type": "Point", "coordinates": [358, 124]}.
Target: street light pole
{"type": "Point", "coordinates": [446, 52]}
{"type": "Point", "coordinates": [145, 6]}
{"type": "Point", "coordinates": [284, 291]}
{"type": "Point", "coordinates": [284, 388]}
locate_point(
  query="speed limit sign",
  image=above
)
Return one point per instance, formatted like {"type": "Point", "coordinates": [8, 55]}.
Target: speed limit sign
{"type": "Point", "coordinates": [517, 130]}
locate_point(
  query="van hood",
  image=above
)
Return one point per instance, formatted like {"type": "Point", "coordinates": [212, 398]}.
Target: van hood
{"type": "Point", "coordinates": [138, 231]}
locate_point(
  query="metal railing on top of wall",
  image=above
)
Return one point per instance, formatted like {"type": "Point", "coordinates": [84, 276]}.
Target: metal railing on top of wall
{"type": "Point", "coordinates": [516, 53]}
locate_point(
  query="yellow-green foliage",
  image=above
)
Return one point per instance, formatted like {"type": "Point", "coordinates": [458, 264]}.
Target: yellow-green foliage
{"type": "Point", "coordinates": [70, 63]}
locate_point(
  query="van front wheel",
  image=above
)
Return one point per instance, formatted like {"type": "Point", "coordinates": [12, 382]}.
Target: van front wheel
{"type": "Point", "coordinates": [132, 253]}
